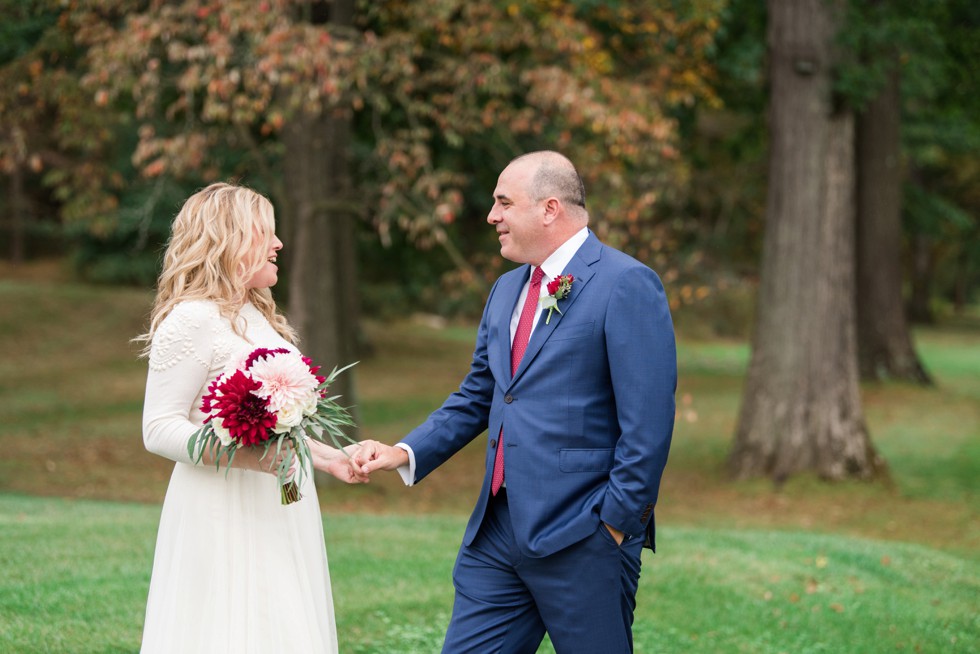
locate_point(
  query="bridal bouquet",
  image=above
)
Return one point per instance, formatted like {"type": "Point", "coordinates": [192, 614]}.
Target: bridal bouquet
{"type": "Point", "coordinates": [274, 399]}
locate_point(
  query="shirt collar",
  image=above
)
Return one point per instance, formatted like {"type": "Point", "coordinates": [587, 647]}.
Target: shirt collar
{"type": "Point", "coordinates": [558, 261]}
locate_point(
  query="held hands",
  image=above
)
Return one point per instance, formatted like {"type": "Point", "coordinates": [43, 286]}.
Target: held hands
{"type": "Point", "coordinates": [373, 455]}
{"type": "Point", "coordinates": [338, 463]}
{"type": "Point", "coordinates": [355, 463]}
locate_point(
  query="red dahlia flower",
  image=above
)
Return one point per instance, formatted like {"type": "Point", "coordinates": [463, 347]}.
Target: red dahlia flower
{"type": "Point", "coordinates": [244, 414]}
{"type": "Point", "coordinates": [261, 353]}
{"type": "Point", "coordinates": [313, 370]}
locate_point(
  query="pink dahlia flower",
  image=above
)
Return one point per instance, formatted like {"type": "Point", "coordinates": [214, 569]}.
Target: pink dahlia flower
{"type": "Point", "coordinates": [288, 384]}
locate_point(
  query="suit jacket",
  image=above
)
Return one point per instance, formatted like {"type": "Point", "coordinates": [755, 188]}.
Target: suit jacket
{"type": "Point", "coordinates": [587, 418]}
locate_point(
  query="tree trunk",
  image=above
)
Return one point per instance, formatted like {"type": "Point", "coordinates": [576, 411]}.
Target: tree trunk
{"type": "Point", "coordinates": [802, 409]}
{"type": "Point", "coordinates": [322, 271]}
{"type": "Point", "coordinates": [323, 297]}
{"type": "Point", "coordinates": [923, 271]}
{"type": "Point", "coordinates": [17, 209]}
{"type": "Point", "coordinates": [963, 280]}
{"type": "Point", "coordinates": [884, 340]}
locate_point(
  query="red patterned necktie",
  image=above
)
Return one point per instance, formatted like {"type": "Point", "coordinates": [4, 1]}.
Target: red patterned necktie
{"type": "Point", "coordinates": [517, 349]}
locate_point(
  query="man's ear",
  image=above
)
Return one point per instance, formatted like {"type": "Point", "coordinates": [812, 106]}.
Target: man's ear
{"type": "Point", "coordinates": [552, 207]}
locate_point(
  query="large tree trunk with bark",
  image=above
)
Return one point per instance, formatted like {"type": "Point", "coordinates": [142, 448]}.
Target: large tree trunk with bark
{"type": "Point", "coordinates": [802, 409]}
{"type": "Point", "coordinates": [885, 347]}
{"type": "Point", "coordinates": [323, 296]}
{"type": "Point", "coordinates": [323, 303]}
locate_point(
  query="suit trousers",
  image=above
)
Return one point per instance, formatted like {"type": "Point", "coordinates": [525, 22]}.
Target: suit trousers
{"type": "Point", "coordinates": [583, 595]}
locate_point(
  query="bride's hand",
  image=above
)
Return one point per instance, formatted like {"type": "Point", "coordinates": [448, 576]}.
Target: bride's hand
{"type": "Point", "coordinates": [374, 455]}
{"type": "Point", "coordinates": [251, 458]}
{"type": "Point", "coordinates": [337, 463]}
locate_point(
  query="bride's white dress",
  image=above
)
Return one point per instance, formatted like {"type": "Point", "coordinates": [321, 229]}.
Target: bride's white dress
{"type": "Point", "coordinates": [234, 570]}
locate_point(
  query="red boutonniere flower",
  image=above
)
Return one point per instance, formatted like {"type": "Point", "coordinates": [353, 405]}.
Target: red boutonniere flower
{"type": "Point", "coordinates": [558, 289]}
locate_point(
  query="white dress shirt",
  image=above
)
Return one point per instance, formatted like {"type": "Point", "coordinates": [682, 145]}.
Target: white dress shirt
{"type": "Point", "coordinates": [553, 266]}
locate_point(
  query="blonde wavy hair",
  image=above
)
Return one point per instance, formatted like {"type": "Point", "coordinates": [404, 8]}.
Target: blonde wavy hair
{"type": "Point", "coordinates": [211, 255]}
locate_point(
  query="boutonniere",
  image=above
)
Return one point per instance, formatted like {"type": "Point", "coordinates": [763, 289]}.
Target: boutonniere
{"type": "Point", "coordinates": [558, 289]}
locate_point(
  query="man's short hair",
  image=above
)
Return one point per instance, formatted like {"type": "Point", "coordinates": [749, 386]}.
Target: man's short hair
{"type": "Point", "coordinates": [556, 177]}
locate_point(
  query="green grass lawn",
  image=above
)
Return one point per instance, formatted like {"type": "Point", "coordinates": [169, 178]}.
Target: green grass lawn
{"type": "Point", "coordinates": [742, 567]}
{"type": "Point", "coordinates": [76, 574]}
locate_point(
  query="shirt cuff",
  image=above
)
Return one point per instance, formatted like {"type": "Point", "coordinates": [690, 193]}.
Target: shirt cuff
{"type": "Point", "coordinates": [407, 472]}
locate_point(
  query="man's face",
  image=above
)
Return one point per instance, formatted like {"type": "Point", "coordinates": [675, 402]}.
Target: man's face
{"type": "Point", "coordinates": [518, 219]}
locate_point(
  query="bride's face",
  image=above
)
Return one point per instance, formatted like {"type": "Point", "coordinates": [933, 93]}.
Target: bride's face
{"type": "Point", "coordinates": [268, 274]}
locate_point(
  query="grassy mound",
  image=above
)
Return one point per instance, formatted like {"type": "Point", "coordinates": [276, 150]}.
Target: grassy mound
{"type": "Point", "coordinates": [76, 574]}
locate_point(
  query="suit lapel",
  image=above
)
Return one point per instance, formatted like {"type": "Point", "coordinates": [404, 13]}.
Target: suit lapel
{"type": "Point", "coordinates": [509, 293]}
{"type": "Point", "coordinates": [581, 267]}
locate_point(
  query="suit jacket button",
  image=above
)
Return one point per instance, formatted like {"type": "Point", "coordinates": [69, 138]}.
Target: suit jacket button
{"type": "Point", "coordinates": [493, 443]}
{"type": "Point", "coordinates": [508, 398]}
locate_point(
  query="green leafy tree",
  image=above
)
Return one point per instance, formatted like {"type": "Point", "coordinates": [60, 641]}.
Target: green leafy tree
{"type": "Point", "coordinates": [910, 65]}
{"type": "Point", "coordinates": [941, 140]}
{"type": "Point", "coordinates": [51, 135]}
{"type": "Point", "coordinates": [896, 49]}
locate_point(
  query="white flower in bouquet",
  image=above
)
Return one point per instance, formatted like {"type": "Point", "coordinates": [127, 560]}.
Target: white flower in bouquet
{"type": "Point", "coordinates": [224, 436]}
{"type": "Point", "coordinates": [289, 416]}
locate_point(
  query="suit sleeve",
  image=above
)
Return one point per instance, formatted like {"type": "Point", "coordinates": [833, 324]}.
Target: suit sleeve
{"type": "Point", "coordinates": [464, 414]}
{"type": "Point", "coordinates": [643, 369]}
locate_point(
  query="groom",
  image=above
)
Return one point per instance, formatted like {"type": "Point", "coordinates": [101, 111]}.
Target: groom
{"type": "Point", "coordinates": [573, 375]}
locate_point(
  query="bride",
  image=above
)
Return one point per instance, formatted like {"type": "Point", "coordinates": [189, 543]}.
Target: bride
{"type": "Point", "coordinates": [234, 569]}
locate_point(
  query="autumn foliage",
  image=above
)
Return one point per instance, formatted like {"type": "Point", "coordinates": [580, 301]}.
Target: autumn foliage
{"type": "Point", "coordinates": [440, 94]}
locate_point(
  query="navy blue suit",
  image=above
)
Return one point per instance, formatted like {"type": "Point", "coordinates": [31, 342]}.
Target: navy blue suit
{"type": "Point", "coordinates": [587, 421]}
